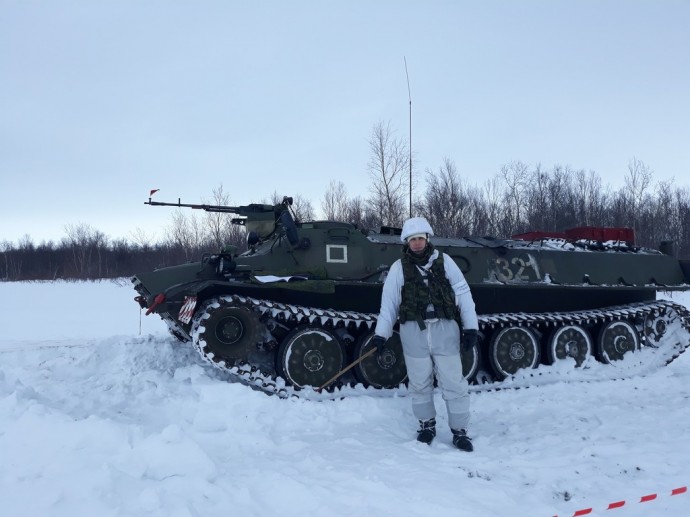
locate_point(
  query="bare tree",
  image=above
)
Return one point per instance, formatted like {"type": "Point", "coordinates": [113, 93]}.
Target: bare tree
{"type": "Point", "coordinates": [219, 230]}
{"type": "Point", "coordinates": [664, 223]}
{"type": "Point", "coordinates": [186, 233]}
{"type": "Point", "coordinates": [302, 208]}
{"type": "Point", "coordinates": [562, 213]}
{"type": "Point", "coordinates": [592, 199]}
{"type": "Point", "coordinates": [99, 242]}
{"type": "Point", "coordinates": [476, 214]}
{"type": "Point", "coordinates": [274, 199]}
{"type": "Point", "coordinates": [83, 240]}
{"type": "Point", "coordinates": [387, 167]}
{"type": "Point", "coordinates": [516, 178]}
{"type": "Point", "coordinates": [335, 203]}
{"type": "Point", "coordinates": [142, 239]}
{"type": "Point", "coordinates": [682, 204]}
{"type": "Point", "coordinates": [14, 261]}
{"type": "Point", "coordinates": [217, 223]}
{"type": "Point", "coordinates": [360, 215]}
{"type": "Point", "coordinates": [637, 182]}
{"type": "Point", "coordinates": [446, 204]}
{"type": "Point", "coordinates": [492, 196]}
{"type": "Point", "coordinates": [538, 203]}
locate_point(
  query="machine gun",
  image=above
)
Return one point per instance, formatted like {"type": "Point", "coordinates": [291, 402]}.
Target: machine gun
{"type": "Point", "coordinates": [260, 220]}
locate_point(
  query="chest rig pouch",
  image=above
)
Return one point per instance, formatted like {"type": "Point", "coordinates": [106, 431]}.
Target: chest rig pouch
{"type": "Point", "coordinates": [426, 297]}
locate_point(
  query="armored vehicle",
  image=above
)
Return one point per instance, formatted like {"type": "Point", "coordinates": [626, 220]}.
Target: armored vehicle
{"type": "Point", "coordinates": [300, 305]}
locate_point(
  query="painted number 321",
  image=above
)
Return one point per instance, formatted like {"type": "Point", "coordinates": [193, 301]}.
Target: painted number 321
{"type": "Point", "coordinates": [517, 268]}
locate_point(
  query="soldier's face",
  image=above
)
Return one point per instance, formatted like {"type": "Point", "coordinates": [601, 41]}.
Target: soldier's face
{"type": "Point", "coordinates": [417, 244]}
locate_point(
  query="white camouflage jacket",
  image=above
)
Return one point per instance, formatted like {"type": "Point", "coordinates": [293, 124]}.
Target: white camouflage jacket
{"type": "Point", "coordinates": [392, 289]}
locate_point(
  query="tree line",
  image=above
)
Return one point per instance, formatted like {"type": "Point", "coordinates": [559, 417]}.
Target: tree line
{"type": "Point", "coordinates": [519, 198]}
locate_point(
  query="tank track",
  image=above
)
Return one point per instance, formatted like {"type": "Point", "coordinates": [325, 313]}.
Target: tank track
{"type": "Point", "coordinates": [665, 350]}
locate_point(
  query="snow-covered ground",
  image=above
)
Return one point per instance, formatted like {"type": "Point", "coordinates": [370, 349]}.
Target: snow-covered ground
{"type": "Point", "coordinates": [101, 414]}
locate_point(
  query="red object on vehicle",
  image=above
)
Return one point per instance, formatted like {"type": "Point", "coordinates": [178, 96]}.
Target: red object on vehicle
{"type": "Point", "coordinates": [593, 233]}
{"type": "Point", "coordinates": [539, 235]}
{"type": "Point", "coordinates": [187, 309]}
{"type": "Point", "coordinates": [590, 233]}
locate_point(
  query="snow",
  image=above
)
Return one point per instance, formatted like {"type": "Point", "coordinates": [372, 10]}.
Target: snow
{"type": "Point", "coordinates": [98, 417]}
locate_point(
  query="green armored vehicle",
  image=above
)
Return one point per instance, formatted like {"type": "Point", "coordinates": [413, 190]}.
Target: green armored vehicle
{"type": "Point", "coordinates": [300, 305]}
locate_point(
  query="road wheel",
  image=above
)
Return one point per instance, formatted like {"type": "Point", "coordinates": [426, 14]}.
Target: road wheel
{"type": "Point", "coordinates": [656, 325]}
{"type": "Point", "coordinates": [616, 339]}
{"type": "Point", "coordinates": [569, 341]}
{"type": "Point", "coordinates": [309, 356]}
{"type": "Point", "coordinates": [384, 370]}
{"type": "Point", "coordinates": [512, 349]}
{"type": "Point", "coordinates": [225, 332]}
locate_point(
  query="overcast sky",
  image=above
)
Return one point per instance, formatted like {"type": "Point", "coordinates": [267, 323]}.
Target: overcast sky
{"type": "Point", "coordinates": [102, 101]}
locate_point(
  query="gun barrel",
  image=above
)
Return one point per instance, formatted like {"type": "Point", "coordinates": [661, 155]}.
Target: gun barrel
{"type": "Point", "coordinates": [239, 210]}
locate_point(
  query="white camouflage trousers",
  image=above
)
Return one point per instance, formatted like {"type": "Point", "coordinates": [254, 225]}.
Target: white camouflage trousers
{"type": "Point", "coordinates": [436, 350]}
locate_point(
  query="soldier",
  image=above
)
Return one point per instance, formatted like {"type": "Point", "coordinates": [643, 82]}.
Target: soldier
{"type": "Point", "coordinates": [427, 292]}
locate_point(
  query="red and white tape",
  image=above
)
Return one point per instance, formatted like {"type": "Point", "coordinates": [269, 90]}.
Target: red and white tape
{"type": "Point", "coordinates": [620, 504]}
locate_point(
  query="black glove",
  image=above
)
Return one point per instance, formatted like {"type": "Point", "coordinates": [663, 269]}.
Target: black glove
{"type": "Point", "coordinates": [379, 342]}
{"type": "Point", "coordinates": [469, 339]}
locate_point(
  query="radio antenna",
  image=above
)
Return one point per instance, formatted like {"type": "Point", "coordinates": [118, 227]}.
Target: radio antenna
{"type": "Point", "coordinates": [409, 96]}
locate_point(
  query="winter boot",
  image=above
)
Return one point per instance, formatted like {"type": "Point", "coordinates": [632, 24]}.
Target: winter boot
{"type": "Point", "coordinates": [461, 440]}
{"type": "Point", "coordinates": [427, 431]}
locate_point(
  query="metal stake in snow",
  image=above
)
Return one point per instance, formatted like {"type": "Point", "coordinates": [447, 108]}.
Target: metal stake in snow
{"type": "Point", "coordinates": [620, 504]}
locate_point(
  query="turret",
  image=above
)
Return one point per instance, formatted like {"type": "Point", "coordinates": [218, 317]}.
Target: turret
{"type": "Point", "coordinates": [261, 220]}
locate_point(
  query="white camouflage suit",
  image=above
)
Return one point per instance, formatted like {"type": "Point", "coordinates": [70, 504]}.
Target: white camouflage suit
{"type": "Point", "coordinates": [436, 349]}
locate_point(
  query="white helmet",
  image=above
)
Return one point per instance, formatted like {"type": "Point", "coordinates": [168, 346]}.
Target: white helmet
{"type": "Point", "coordinates": [416, 227]}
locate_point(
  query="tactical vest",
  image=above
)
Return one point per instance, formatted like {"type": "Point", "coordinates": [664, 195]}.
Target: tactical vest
{"type": "Point", "coordinates": [417, 295]}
